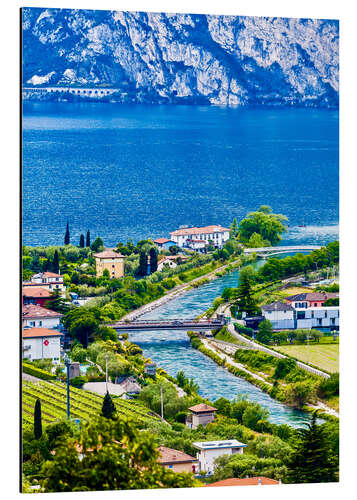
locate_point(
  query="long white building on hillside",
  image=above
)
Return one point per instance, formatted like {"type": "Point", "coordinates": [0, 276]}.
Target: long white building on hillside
{"type": "Point", "coordinates": [189, 237]}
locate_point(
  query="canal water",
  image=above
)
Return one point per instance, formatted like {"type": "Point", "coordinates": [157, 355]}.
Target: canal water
{"type": "Point", "coordinates": [172, 351]}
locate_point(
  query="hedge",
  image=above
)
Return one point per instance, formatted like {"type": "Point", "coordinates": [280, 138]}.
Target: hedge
{"type": "Point", "coordinates": [37, 372]}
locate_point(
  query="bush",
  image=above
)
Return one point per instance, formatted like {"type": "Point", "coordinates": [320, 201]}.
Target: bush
{"type": "Point", "coordinates": [78, 381]}
{"type": "Point", "coordinates": [329, 387]}
{"type": "Point", "coordinates": [37, 372]}
{"type": "Point", "coordinates": [243, 329]}
{"type": "Point", "coordinates": [283, 367]}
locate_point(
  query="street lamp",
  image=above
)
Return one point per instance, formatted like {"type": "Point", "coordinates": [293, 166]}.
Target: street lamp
{"type": "Point", "coordinates": [67, 362]}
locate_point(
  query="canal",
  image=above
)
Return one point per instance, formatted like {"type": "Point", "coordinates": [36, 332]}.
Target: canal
{"type": "Point", "coordinates": [172, 351]}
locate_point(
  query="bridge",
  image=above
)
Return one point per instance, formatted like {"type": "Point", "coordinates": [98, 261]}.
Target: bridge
{"type": "Point", "coordinates": [171, 324]}
{"type": "Point", "coordinates": [270, 251]}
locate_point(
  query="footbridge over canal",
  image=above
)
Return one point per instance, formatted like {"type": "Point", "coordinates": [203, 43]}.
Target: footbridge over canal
{"type": "Point", "coordinates": [270, 251]}
{"type": "Point", "coordinates": [172, 324]}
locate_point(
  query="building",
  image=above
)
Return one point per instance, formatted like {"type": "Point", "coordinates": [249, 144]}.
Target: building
{"type": "Point", "coordinates": [208, 451]}
{"type": "Point", "coordinates": [41, 317]}
{"type": "Point", "coordinates": [318, 317]}
{"type": "Point", "coordinates": [246, 481]}
{"type": "Point", "coordinates": [201, 414]}
{"type": "Point", "coordinates": [110, 260]}
{"type": "Point", "coordinates": [310, 299]}
{"type": "Point", "coordinates": [196, 245]}
{"type": "Point", "coordinates": [217, 235]}
{"type": "Point", "coordinates": [41, 343]}
{"type": "Point", "coordinates": [35, 295]}
{"type": "Point", "coordinates": [281, 316]}
{"type": "Point", "coordinates": [176, 460]}
{"type": "Point", "coordinates": [164, 243]}
{"type": "Point", "coordinates": [150, 369]}
{"type": "Point", "coordinates": [170, 261]}
{"type": "Point", "coordinates": [48, 280]}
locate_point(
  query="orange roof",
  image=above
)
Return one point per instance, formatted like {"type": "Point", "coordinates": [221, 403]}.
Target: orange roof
{"type": "Point", "coordinates": [108, 253]}
{"type": "Point", "coordinates": [34, 311]}
{"type": "Point", "coordinates": [247, 481]}
{"type": "Point", "coordinates": [199, 230]}
{"type": "Point", "coordinates": [47, 274]}
{"type": "Point", "coordinates": [36, 292]}
{"type": "Point", "coordinates": [169, 456]}
{"type": "Point", "coordinates": [40, 332]}
{"type": "Point", "coordinates": [161, 241]}
{"type": "Point", "coordinates": [202, 408]}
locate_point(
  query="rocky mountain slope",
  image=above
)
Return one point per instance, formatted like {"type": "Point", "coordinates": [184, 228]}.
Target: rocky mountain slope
{"type": "Point", "coordinates": [184, 58]}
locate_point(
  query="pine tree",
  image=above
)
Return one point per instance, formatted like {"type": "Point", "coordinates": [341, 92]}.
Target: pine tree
{"type": "Point", "coordinates": [67, 238]}
{"type": "Point", "coordinates": [153, 260]}
{"type": "Point", "coordinates": [313, 460]}
{"type": "Point", "coordinates": [245, 295]}
{"type": "Point", "coordinates": [37, 423]}
{"type": "Point", "coordinates": [81, 241]}
{"type": "Point", "coordinates": [108, 408]}
{"type": "Point", "coordinates": [233, 232]}
{"type": "Point", "coordinates": [88, 239]}
{"type": "Point", "coordinates": [55, 263]}
{"type": "Point", "coordinates": [142, 264]}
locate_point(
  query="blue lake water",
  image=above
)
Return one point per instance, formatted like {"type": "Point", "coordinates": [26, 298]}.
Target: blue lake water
{"type": "Point", "coordinates": [142, 171]}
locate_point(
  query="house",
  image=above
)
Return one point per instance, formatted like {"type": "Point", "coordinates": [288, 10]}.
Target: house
{"type": "Point", "coordinates": [110, 260]}
{"type": "Point", "coordinates": [281, 316]}
{"type": "Point", "coordinates": [310, 299]}
{"type": "Point", "coordinates": [218, 235]}
{"type": "Point", "coordinates": [318, 317]}
{"type": "Point", "coordinates": [33, 315]}
{"type": "Point", "coordinates": [41, 343]}
{"type": "Point", "coordinates": [35, 295]}
{"type": "Point", "coordinates": [150, 369]}
{"type": "Point", "coordinates": [48, 280]}
{"type": "Point", "coordinates": [164, 243]}
{"type": "Point", "coordinates": [176, 460]}
{"type": "Point", "coordinates": [208, 451]}
{"type": "Point", "coordinates": [170, 261]}
{"type": "Point", "coordinates": [246, 481]}
{"type": "Point", "coordinates": [201, 414]}
{"type": "Point", "coordinates": [197, 245]}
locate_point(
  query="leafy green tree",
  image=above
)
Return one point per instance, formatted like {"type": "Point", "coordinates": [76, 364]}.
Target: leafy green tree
{"type": "Point", "coordinates": [78, 354]}
{"type": "Point", "coordinates": [253, 414]}
{"type": "Point", "coordinates": [153, 260]}
{"type": "Point", "coordinates": [265, 332]}
{"type": "Point", "coordinates": [57, 303]}
{"type": "Point", "coordinates": [329, 387]}
{"type": "Point", "coordinates": [108, 407]}
{"type": "Point", "coordinates": [82, 324]}
{"type": "Point", "coordinates": [97, 245]}
{"type": "Point", "coordinates": [300, 393]}
{"type": "Point", "coordinates": [67, 237]}
{"type": "Point", "coordinates": [142, 271]}
{"type": "Point", "coordinates": [88, 239]}
{"type": "Point", "coordinates": [37, 423]}
{"type": "Point", "coordinates": [106, 274]}
{"type": "Point", "coordinates": [316, 335]}
{"type": "Point", "coordinates": [269, 225]}
{"type": "Point", "coordinates": [114, 455]}
{"type": "Point", "coordinates": [283, 367]}
{"type": "Point", "coordinates": [173, 249]}
{"type": "Point", "coordinates": [81, 241]}
{"type": "Point", "coordinates": [313, 460]}
{"type": "Point", "coordinates": [257, 241]}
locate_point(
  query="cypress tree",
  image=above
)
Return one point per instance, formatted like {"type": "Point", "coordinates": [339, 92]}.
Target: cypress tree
{"type": "Point", "coordinates": [153, 260]}
{"type": "Point", "coordinates": [313, 460]}
{"type": "Point", "coordinates": [55, 263]}
{"type": "Point", "coordinates": [67, 238]}
{"type": "Point", "coordinates": [37, 423]}
{"type": "Point", "coordinates": [245, 295]}
{"type": "Point", "coordinates": [81, 241]}
{"type": "Point", "coordinates": [88, 239]}
{"type": "Point", "coordinates": [108, 408]}
{"type": "Point", "coordinates": [142, 264]}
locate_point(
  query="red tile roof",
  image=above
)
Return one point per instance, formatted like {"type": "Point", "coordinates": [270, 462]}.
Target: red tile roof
{"type": "Point", "coordinates": [247, 481]}
{"type": "Point", "coordinates": [36, 292]}
{"type": "Point", "coordinates": [34, 311]}
{"type": "Point", "coordinates": [39, 332]}
{"type": "Point", "coordinates": [311, 296]}
{"type": "Point", "coordinates": [46, 274]}
{"type": "Point", "coordinates": [199, 230]}
{"type": "Point", "coordinates": [202, 408]}
{"type": "Point", "coordinates": [108, 253]}
{"type": "Point", "coordinates": [170, 456]}
{"type": "Point", "coordinates": [161, 241]}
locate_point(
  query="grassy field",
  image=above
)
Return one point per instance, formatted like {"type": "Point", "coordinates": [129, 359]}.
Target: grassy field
{"type": "Point", "coordinates": [324, 356]}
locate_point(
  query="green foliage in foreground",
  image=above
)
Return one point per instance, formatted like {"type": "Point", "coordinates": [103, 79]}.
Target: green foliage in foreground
{"type": "Point", "coordinates": [114, 456]}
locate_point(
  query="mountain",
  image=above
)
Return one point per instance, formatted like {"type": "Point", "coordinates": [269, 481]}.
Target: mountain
{"type": "Point", "coordinates": [181, 58]}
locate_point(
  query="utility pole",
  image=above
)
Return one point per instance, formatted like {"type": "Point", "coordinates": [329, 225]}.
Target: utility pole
{"type": "Point", "coordinates": [162, 403]}
{"type": "Point", "coordinates": [67, 363]}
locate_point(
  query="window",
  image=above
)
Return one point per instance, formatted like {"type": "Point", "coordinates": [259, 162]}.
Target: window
{"type": "Point", "coordinates": [320, 321]}
{"type": "Point", "coordinates": [333, 321]}
{"type": "Point", "coordinates": [325, 314]}
{"type": "Point", "coordinates": [315, 304]}
{"type": "Point", "coordinates": [40, 323]}
{"type": "Point", "coordinates": [301, 315]}
{"type": "Point", "coordinates": [312, 314]}
{"type": "Point", "coordinates": [32, 323]}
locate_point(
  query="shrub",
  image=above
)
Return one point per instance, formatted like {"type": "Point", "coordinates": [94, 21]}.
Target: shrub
{"type": "Point", "coordinates": [329, 387]}
{"type": "Point", "coordinates": [37, 372]}
{"type": "Point", "coordinates": [283, 367]}
{"type": "Point", "coordinates": [78, 381]}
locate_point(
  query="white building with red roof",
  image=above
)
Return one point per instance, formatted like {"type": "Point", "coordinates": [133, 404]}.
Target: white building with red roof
{"type": "Point", "coordinates": [37, 316]}
{"type": "Point", "coordinates": [200, 236]}
{"type": "Point", "coordinates": [47, 280]}
{"type": "Point", "coordinates": [41, 343]}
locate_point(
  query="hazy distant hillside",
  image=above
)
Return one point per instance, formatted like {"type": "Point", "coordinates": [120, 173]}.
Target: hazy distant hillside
{"type": "Point", "coordinates": [184, 58]}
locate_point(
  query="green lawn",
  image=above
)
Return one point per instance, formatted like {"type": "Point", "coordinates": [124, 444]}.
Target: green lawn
{"type": "Point", "coordinates": [324, 356]}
